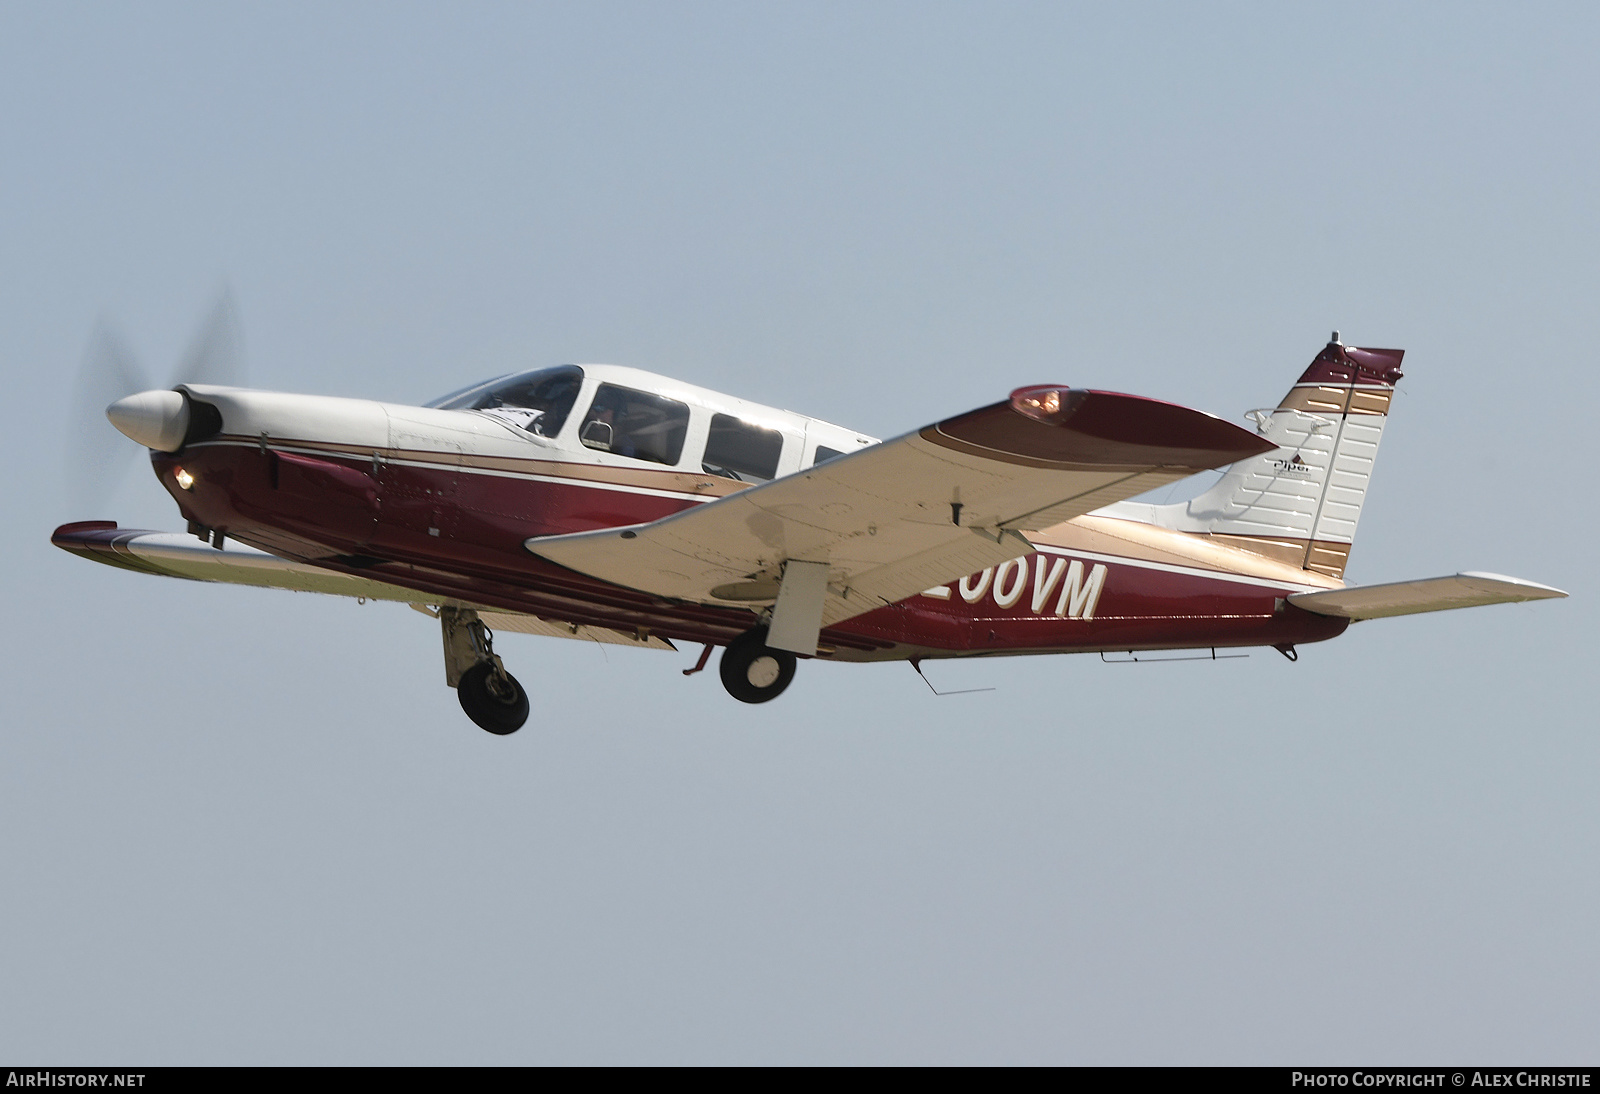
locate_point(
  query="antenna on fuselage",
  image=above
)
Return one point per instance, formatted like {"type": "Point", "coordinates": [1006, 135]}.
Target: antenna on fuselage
{"type": "Point", "coordinates": [916, 663]}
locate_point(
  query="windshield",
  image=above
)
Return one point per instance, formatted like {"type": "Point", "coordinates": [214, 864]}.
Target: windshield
{"type": "Point", "coordinates": [537, 401]}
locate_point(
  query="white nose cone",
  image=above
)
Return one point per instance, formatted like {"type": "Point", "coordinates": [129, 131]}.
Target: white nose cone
{"type": "Point", "coordinates": [156, 419]}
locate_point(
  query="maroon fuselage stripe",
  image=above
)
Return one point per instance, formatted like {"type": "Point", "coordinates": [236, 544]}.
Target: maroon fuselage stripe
{"type": "Point", "coordinates": [453, 531]}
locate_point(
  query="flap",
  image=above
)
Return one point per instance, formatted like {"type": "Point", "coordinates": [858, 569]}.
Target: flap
{"type": "Point", "coordinates": [916, 511]}
{"type": "Point", "coordinates": [1433, 594]}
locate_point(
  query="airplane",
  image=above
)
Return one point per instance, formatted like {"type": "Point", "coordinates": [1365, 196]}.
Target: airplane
{"type": "Point", "coordinates": [609, 504]}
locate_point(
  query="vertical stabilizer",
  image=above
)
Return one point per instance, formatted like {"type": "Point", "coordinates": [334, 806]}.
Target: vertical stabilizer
{"type": "Point", "coordinates": [1300, 504]}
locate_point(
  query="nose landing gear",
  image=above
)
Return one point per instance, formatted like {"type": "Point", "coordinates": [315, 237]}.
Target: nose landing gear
{"type": "Point", "coordinates": [754, 672]}
{"type": "Point", "coordinates": [488, 693]}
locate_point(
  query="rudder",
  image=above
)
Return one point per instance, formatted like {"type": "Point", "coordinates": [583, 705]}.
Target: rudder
{"type": "Point", "coordinates": [1300, 504]}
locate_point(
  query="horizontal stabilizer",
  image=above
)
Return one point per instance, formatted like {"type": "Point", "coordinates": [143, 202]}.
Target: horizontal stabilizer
{"type": "Point", "coordinates": [1433, 594]}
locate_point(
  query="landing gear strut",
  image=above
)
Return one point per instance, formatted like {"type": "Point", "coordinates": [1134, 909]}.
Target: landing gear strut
{"type": "Point", "coordinates": [488, 693]}
{"type": "Point", "coordinates": [754, 672]}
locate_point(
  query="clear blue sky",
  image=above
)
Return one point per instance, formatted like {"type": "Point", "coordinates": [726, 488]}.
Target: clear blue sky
{"type": "Point", "coordinates": [239, 826]}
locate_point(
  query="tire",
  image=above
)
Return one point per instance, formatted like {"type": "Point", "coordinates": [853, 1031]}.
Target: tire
{"type": "Point", "coordinates": [498, 705]}
{"type": "Point", "coordinates": [752, 671]}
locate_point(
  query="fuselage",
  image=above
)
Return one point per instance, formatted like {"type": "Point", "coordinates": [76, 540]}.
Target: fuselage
{"type": "Point", "coordinates": [442, 499]}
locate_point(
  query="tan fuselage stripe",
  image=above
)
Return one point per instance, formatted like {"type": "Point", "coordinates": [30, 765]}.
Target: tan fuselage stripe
{"type": "Point", "coordinates": [666, 480]}
{"type": "Point", "coordinates": [1325, 556]}
{"type": "Point", "coordinates": [1337, 399]}
{"type": "Point", "coordinates": [1146, 542]}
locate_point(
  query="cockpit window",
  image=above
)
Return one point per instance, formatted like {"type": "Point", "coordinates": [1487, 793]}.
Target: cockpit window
{"type": "Point", "coordinates": [738, 450]}
{"type": "Point", "coordinates": [635, 424]}
{"type": "Point", "coordinates": [537, 401]}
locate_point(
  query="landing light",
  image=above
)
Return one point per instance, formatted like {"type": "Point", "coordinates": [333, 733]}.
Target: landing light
{"type": "Point", "coordinates": [185, 480]}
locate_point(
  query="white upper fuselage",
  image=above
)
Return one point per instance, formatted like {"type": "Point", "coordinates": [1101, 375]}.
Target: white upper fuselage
{"type": "Point", "coordinates": [801, 434]}
{"type": "Point", "coordinates": [365, 423]}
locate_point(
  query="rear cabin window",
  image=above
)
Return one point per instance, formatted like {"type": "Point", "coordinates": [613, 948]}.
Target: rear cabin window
{"type": "Point", "coordinates": [537, 402]}
{"type": "Point", "coordinates": [635, 424]}
{"type": "Point", "coordinates": [824, 454]}
{"type": "Point", "coordinates": [738, 450]}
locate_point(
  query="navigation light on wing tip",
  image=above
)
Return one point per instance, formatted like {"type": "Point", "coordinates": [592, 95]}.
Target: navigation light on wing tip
{"type": "Point", "coordinates": [1051, 404]}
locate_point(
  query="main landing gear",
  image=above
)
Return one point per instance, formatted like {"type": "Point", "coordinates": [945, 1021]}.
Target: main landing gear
{"type": "Point", "coordinates": [489, 694]}
{"type": "Point", "coordinates": [754, 672]}
{"type": "Point", "coordinates": [751, 670]}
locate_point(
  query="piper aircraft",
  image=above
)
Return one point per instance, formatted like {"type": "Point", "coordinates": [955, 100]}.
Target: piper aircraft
{"type": "Point", "coordinates": [609, 504]}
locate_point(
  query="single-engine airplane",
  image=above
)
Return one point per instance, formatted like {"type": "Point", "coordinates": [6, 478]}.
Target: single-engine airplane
{"type": "Point", "coordinates": [605, 503]}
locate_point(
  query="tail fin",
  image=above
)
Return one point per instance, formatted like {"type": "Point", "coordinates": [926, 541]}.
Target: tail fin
{"type": "Point", "coordinates": [1300, 504]}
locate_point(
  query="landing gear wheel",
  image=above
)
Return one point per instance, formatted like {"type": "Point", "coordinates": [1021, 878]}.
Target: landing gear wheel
{"type": "Point", "coordinates": [752, 671]}
{"type": "Point", "coordinates": [492, 699]}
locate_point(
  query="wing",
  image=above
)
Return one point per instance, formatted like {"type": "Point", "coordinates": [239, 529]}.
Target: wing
{"type": "Point", "coordinates": [172, 554]}
{"type": "Point", "coordinates": [874, 527]}
{"type": "Point", "coordinates": [1434, 594]}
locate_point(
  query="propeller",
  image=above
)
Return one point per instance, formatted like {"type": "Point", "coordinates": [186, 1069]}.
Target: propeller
{"type": "Point", "coordinates": [98, 455]}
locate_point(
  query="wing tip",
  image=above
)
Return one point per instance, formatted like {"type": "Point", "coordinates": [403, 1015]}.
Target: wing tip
{"type": "Point", "coordinates": [1099, 429]}
{"type": "Point", "coordinates": [1535, 590]}
{"type": "Point", "coordinates": [74, 531]}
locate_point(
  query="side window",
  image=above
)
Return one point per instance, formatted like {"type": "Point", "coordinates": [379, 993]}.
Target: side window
{"type": "Point", "coordinates": [635, 424]}
{"type": "Point", "coordinates": [738, 450]}
{"type": "Point", "coordinates": [824, 454]}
